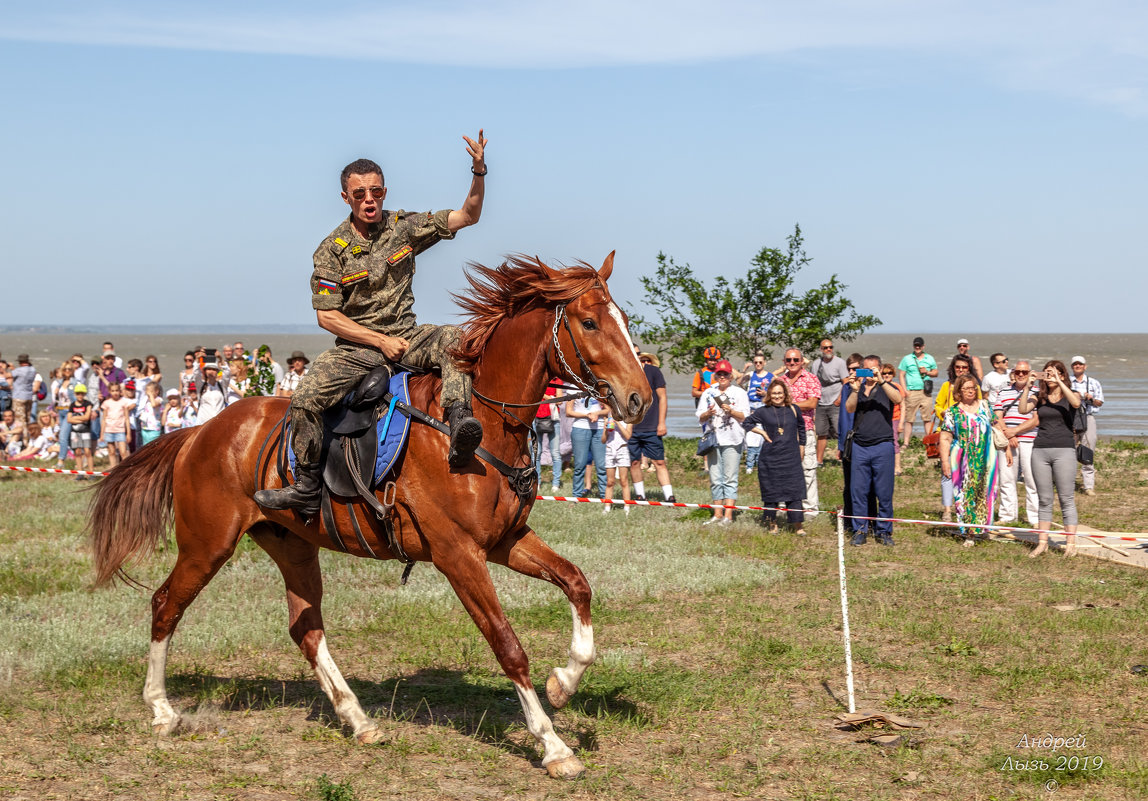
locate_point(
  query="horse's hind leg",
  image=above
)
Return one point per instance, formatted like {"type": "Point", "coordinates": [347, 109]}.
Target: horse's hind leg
{"type": "Point", "coordinates": [193, 570]}
{"type": "Point", "coordinates": [298, 561]}
{"type": "Point", "coordinates": [531, 556]}
{"type": "Point", "coordinates": [471, 582]}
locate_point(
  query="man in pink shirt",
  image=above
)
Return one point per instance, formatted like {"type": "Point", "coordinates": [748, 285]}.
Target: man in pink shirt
{"type": "Point", "coordinates": [806, 392]}
{"type": "Point", "coordinates": [116, 427]}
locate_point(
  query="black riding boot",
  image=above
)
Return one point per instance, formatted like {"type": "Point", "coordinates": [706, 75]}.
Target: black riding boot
{"type": "Point", "coordinates": [465, 434]}
{"type": "Point", "coordinates": [302, 495]}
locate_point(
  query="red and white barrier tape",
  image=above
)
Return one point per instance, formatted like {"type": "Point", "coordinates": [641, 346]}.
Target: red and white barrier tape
{"type": "Point", "coordinates": [679, 505]}
{"type": "Point", "coordinates": [50, 470]}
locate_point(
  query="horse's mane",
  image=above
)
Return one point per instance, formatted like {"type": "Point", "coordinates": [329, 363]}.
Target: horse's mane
{"type": "Point", "coordinates": [517, 285]}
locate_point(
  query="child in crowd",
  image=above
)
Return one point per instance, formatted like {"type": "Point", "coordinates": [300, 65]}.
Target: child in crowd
{"type": "Point", "coordinates": [80, 418]}
{"type": "Point", "coordinates": [615, 435]}
{"type": "Point", "coordinates": [150, 412]}
{"type": "Point", "coordinates": [135, 396]}
{"type": "Point", "coordinates": [116, 410]}
{"type": "Point", "coordinates": [173, 412]}
{"type": "Point", "coordinates": [191, 407]}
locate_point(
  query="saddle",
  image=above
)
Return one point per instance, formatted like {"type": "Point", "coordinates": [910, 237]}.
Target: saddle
{"type": "Point", "coordinates": [350, 438]}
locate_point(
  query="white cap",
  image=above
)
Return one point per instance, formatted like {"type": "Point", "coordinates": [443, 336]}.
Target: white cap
{"type": "Point", "coordinates": [173, 393]}
{"type": "Point", "coordinates": [1076, 359]}
{"type": "Point", "coordinates": [962, 342]}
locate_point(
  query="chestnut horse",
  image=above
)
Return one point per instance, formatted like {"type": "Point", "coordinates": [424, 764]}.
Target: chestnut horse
{"type": "Point", "coordinates": [528, 322]}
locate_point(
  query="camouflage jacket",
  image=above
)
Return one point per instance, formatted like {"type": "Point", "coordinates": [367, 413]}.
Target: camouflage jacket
{"type": "Point", "coordinates": [369, 280]}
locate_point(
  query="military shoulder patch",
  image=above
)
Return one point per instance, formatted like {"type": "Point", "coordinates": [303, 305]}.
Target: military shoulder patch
{"type": "Point", "coordinates": [340, 242]}
{"type": "Point", "coordinates": [400, 254]}
{"type": "Point", "coordinates": [353, 277]}
{"type": "Point", "coordinates": [326, 287]}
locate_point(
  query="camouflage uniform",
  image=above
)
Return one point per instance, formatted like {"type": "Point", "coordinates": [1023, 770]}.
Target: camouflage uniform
{"type": "Point", "coordinates": [369, 280]}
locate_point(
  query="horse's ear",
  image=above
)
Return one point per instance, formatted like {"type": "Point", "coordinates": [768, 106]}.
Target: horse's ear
{"type": "Point", "coordinates": [607, 267]}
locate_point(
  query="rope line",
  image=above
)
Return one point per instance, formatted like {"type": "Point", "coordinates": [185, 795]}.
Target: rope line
{"type": "Point", "coordinates": [738, 507]}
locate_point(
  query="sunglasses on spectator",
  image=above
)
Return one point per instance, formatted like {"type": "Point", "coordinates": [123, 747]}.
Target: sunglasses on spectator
{"type": "Point", "coordinates": [361, 192]}
{"type": "Point", "coordinates": [793, 361]}
{"type": "Point", "coordinates": [759, 362]}
{"type": "Point", "coordinates": [827, 347]}
{"type": "Point", "coordinates": [888, 374]}
{"type": "Point", "coordinates": [1021, 372]}
{"type": "Point", "coordinates": [960, 368]}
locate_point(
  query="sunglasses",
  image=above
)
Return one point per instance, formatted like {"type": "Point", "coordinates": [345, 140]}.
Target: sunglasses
{"type": "Point", "coordinates": [888, 374]}
{"type": "Point", "coordinates": [721, 375]}
{"type": "Point", "coordinates": [793, 361]}
{"type": "Point", "coordinates": [960, 369]}
{"type": "Point", "coordinates": [361, 192]}
{"type": "Point", "coordinates": [1021, 372]}
{"type": "Point", "coordinates": [827, 347]}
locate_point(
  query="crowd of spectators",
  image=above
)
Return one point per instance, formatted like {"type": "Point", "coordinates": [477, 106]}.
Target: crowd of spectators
{"type": "Point", "coordinates": [995, 429]}
{"type": "Point", "coordinates": [106, 407]}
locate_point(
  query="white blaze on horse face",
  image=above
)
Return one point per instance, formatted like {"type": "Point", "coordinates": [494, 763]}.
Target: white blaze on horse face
{"type": "Point", "coordinates": [616, 313]}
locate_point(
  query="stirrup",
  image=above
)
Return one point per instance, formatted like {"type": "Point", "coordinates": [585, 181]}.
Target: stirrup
{"type": "Point", "coordinates": [465, 434]}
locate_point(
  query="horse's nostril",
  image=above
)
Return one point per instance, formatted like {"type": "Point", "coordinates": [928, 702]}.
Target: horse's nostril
{"type": "Point", "coordinates": [635, 403]}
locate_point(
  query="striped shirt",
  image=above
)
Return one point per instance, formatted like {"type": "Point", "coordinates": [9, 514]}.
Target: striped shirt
{"type": "Point", "coordinates": [1008, 405]}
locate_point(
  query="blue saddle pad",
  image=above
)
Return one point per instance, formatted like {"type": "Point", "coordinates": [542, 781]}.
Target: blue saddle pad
{"type": "Point", "coordinates": [392, 430]}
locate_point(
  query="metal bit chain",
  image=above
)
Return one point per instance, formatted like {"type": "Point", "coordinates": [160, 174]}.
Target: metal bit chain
{"type": "Point", "coordinates": [559, 313]}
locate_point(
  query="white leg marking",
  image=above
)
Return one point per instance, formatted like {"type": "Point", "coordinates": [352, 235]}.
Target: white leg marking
{"type": "Point", "coordinates": [581, 655]}
{"type": "Point", "coordinates": [616, 313]}
{"type": "Point", "coordinates": [342, 697]}
{"type": "Point", "coordinates": [538, 724]}
{"type": "Point", "coordinates": [165, 720]}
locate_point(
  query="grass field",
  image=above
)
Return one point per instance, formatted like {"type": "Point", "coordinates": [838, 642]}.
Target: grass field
{"type": "Point", "coordinates": [720, 663]}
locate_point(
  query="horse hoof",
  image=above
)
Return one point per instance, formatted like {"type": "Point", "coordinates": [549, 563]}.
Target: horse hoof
{"type": "Point", "coordinates": [569, 768]}
{"type": "Point", "coordinates": [164, 728]}
{"type": "Point", "coordinates": [370, 736]}
{"type": "Point", "coordinates": [555, 692]}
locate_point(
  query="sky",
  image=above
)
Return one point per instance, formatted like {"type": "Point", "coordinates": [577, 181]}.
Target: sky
{"type": "Point", "coordinates": [961, 166]}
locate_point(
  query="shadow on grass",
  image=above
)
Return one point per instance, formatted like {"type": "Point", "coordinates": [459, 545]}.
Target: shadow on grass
{"type": "Point", "coordinates": [484, 707]}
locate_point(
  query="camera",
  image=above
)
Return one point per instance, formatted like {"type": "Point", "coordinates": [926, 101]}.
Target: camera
{"type": "Point", "coordinates": [1040, 375]}
{"type": "Point", "coordinates": [210, 355]}
{"type": "Point", "coordinates": [722, 399]}
{"type": "Point", "coordinates": [864, 372]}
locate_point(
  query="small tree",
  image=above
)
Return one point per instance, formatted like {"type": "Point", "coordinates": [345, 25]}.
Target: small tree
{"type": "Point", "coordinates": [756, 312]}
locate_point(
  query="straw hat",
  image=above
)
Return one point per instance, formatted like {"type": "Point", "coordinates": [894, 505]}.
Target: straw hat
{"type": "Point", "coordinates": [653, 357]}
{"type": "Point", "coordinates": [298, 355]}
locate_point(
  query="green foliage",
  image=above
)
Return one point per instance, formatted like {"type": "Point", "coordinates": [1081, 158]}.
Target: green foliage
{"type": "Point", "coordinates": [262, 375]}
{"type": "Point", "coordinates": [756, 312]}
{"type": "Point", "coordinates": [918, 699]}
{"type": "Point", "coordinates": [330, 791]}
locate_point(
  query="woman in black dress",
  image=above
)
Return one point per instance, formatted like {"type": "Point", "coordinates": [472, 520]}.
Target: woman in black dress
{"type": "Point", "coordinates": [779, 465]}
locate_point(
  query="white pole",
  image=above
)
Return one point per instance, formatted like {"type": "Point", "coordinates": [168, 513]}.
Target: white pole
{"type": "Point", "coordinates": [845, 609]}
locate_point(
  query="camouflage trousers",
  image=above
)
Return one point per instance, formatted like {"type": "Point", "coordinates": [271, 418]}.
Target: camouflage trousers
{"type": "Point", "coordinates": [339, 370]}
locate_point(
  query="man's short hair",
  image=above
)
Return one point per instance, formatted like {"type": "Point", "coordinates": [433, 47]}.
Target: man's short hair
{"type": "Point", "coordinates": [360, 167]}
{"type": "Point", "coordinates": [872, 358]}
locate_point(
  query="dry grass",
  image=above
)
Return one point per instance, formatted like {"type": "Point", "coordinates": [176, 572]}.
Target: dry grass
{"type": "Point", "coordinates": [720, 665]}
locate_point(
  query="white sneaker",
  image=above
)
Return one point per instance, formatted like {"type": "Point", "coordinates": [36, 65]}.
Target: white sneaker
{"type": "Point", "coordinates": [713, 520]}
{"type": "Point", "coordinates": [726, 521]}
{"type": "Point", "coordinates": [606, 508]}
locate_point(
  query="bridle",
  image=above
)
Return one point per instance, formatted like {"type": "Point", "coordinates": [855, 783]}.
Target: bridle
{"type": "Point", "coordinates": [590, 390]}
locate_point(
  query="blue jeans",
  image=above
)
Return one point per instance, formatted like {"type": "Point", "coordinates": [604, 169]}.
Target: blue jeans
{"type": "Point", "coordinates": [65, 437]}
{"type": "Point", "coordinates": [555, 453]}
{"type": "Point", "coordinates": [587, 442]}
{"type": "Point", "coordinates": [723, 463]}
{"type": "Point", "coordinates": [872, 468]}
{"type": "Point", "coordinates": [751, 456]}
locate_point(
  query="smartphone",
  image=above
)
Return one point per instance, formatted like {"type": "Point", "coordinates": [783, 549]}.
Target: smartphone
{"type": "Point", "coordinates": [1040, 376]}
{"type": "Point", "coordinates": [864, 372]}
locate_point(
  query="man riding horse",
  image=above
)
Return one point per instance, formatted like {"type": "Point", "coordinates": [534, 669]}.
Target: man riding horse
{"type": "Point", "coordinates": [361, 291]}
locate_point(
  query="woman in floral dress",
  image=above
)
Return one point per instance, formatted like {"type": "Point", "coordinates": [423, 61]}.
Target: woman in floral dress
{"type": "Point", "coordinates": [969, 457]}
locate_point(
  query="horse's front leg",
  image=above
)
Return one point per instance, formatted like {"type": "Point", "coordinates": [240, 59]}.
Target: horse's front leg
{"type": "Point", "coordinates": [470, 579]}
{"type": "Point", "coordinates": [531, 556]}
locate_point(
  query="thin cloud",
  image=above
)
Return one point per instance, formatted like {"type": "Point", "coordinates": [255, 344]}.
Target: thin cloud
{"type": "Point", "coordinates": [1095, 51]}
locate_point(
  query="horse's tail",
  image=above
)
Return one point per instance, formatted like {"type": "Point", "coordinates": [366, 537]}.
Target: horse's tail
{"type": "Point", "coordinates": [132, 507]}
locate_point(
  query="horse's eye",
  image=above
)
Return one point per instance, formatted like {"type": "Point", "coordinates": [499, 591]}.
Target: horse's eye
{"type": "Point", "coordinates": [589, 325]}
